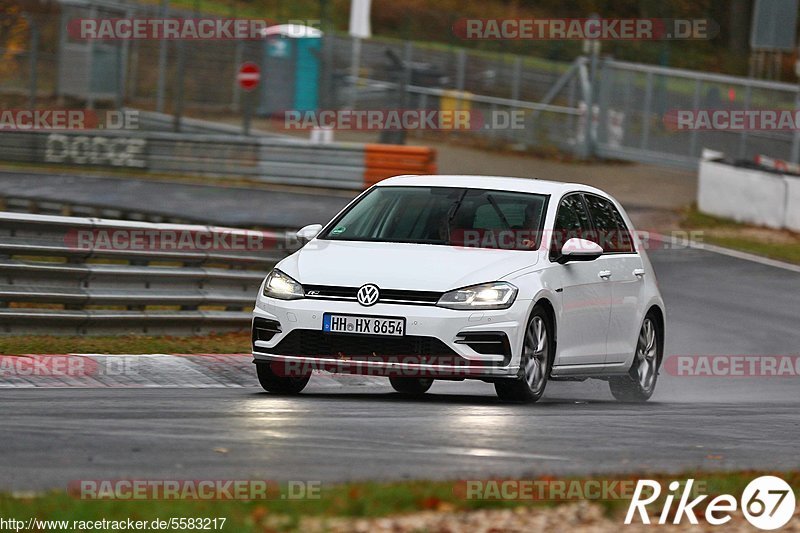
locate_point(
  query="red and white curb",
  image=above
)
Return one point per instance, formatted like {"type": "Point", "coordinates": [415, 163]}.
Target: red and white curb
{"type": "Point", "coordinates": [145, 371]}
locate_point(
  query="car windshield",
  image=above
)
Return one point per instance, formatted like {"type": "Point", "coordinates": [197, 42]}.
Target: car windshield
{"type": "Point", "coordinates": [449, 216]}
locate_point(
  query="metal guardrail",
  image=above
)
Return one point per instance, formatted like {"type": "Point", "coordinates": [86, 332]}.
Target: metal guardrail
{"type": "Point", "coordinates": [153, 121]}
{"type": "Point", "coordinates": [273, 159]}
{"type": "Point", "coordinates": [267, 159]}
{"type": "Point", "coordinates": [37, 206]}
{"type": "Point", "coordinates": [89, 276]}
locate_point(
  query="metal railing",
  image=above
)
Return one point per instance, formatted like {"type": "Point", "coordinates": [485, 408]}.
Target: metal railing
{"type": "Point", "coordinates": [89, 276]}
{"type": "Point", "coordinates": [266, 159]}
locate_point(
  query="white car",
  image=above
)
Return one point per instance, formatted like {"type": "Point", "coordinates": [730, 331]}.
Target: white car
{"type": "Point", "coordinates": [507, 280]}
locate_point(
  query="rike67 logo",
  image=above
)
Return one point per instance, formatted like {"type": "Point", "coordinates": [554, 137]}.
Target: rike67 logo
{"type": "Point", "coordinates": [768, 503]}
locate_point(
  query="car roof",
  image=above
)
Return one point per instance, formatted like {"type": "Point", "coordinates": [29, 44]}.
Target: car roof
{"type": "Point", "coordinates": [530, 185]}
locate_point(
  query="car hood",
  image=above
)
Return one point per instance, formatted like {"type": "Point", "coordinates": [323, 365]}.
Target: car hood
{"type": "Point", "coordinates": [422, 267]}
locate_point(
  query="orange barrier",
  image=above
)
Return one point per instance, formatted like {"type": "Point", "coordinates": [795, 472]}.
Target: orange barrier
{"type": "Point", "coordinates": [382, 161]}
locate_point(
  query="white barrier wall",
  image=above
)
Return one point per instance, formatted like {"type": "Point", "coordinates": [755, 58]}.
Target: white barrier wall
{"type": "Point", "coordinates": [793, 203]}
{"type": "Point", "coordinates": [747, 195]}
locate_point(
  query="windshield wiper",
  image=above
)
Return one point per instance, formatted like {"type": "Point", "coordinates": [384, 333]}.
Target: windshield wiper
{"type": "Point", "coordinates": [456, 206]}
{"type": "Point", "coordinates": [453, 210]}
{"type": "Point", "coordinates": [496, 207]}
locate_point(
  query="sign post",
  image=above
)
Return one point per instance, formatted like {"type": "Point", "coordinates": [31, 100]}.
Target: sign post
{"type": "Point", "coordinates": [360, 28]}
{"type": "Point", "coordinates": [248, 77]}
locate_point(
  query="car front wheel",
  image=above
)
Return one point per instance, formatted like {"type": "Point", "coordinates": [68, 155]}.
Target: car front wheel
{"type": "Point", "coordinates": [273, 382]}
{"type": "Point", "coordinates": [640, 383]}
{"type": "Point", "coordinates": [534, 370]}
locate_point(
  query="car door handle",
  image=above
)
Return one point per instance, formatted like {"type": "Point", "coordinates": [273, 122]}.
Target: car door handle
{"type": "Point", "coordinates": [638, 272]}
{"type": "Point", "coordinates": [604, 274]}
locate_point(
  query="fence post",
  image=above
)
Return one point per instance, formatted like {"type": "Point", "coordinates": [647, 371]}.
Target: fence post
{"type": "Point", "coordinates": [583, 78]}
{"type": "Point", "coordinates": [238, 54]}
{"type": "Point", "coordinates": [461, 66]}
{"type": "Point", "coordinates": [588, 149]}
{"type": "Point", "coordinates": [62, 43]}
{"type": "Point", "coordinates": [355, 67]}
{"type": "Point", "coordinates": [408, 57]}
{"type": "Point", "coordinates": [516, 74]}
{"type": "Point", "coordinates": [90, 64]}
{"type": "Point", "coordinates": [695, 106]}
{"type": "Point", "coordinates": [33, 58]}
{"type": "Point", "coordinates": [602, 85]}
{"type": "Point", "coordinates": [179, 85]}
{"type": "Point", "coordinates": [124, 52]}
{"type": "Point", "coordinates": [748, 92]}
{"type": "Point", "coordinates": [162, 62]}
{"type": "Point", "coordinates": [327, 89]}
{"type": "Point", "coordinates": [133, 70]}
{"type": "Point", "coordinates": [648, 102]}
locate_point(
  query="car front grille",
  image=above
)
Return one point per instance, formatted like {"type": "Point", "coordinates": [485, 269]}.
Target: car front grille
{"type": "Point", "coordinates": [368, 348]}
{"type": "Point", "coordinates": [389, 296]}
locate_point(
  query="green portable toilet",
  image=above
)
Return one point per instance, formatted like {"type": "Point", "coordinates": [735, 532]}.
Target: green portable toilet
{"type": "Point", "coordinates": [290, 69]}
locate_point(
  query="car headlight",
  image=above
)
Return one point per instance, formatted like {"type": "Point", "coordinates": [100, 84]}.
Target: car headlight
{"type": "Point", "coordinates": [279, 285]}
{"type": "Point", "coordinates": [498, 295]}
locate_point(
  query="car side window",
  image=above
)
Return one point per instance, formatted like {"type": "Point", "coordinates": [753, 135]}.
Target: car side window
{"type": "Point", "coordinates": [610, 231]}
{"type": "Point", "coordinates": [572, 221]}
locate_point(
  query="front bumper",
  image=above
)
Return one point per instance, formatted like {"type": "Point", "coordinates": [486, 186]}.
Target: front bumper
{"type": "Point", "coordinates": [422, 321]}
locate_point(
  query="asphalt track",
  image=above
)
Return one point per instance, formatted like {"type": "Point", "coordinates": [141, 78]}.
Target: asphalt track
{"type": "Point", "coordinates": [195, 203]}
{"type": "Point", "coordinates": [355, 428]}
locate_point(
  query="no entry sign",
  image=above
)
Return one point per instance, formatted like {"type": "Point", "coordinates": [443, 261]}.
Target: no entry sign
{"type": "Point", "coordinates": [248, 76]}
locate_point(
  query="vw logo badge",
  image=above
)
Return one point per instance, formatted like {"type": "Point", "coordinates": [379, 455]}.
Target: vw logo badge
{"type": "Point", "coordinates": [368, 295]}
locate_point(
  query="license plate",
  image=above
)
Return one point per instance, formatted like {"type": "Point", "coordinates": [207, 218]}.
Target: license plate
{"type": "Point", "coordinates": [363, 325]}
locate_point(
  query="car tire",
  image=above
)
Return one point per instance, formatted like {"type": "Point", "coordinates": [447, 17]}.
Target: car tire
{"type": "Point", "coordinates": [272, 382]}
{"type": "Point", "coordinates": [640, 383]}
{"type": "Point", "coordinates": [411, 386]}
{"type": "Point", "coordinates": [535, 362]}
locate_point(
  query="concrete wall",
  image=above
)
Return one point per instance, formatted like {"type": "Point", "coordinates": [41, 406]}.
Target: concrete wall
{"type": "Point", "coordinates": [748, 195]}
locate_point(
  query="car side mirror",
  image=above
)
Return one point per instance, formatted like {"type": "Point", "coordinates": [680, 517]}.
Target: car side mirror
{"type": "Point", "coordinates": [306, 233]}
{"type": "Point", "coordinates": [579, 250]}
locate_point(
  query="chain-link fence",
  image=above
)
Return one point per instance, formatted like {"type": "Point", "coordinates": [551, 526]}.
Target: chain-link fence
{"type": "Point", "coordinates": [627, 102]}
{"type": "Point", "coordinates": [648, 98]}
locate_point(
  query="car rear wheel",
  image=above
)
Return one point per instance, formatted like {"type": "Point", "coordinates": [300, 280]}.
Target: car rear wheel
{"type": "Point", "coordinates": [413, 386]}
{"type": "Point", "coordinates": [534, 364]}
{"type": "Point", "coordinates": [640, 383]}
{"type": "Point", "coordinates": [278, 384]}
